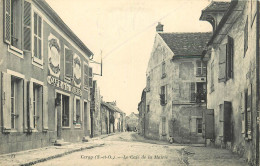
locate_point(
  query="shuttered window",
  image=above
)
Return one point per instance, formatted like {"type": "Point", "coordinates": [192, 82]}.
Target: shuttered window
{"type": "Point", "coordinates": [248, 113]}
{"type": "Point", "coordinates": [163, 95]}
{"type": "Point", "coordinates": [86, 81]}
{"type": "Point", "coordinates": [68, 63]}
{"type": "Point", "coordinates": [222, 63]}
{"type": "Point", "coordinates": [230, 57]}
{"type": "Point", "coordinates": [7, 21]}
{"type": "Point", "coordinates": [246, 37]}
{"type": "Point", "coordinates": [37, 37]}
{"type": "Point", "coordinates": [90, 77]}
{"type": "Point", "coordinates": [27, 26]}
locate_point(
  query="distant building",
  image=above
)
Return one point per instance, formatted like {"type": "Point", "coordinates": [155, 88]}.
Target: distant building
{"type": "Point", "coordinates": [176, 87]}
{"type": "Point", "coordinates": [112, 118]}
{"type": "Point", "coordinates": [132, 121]}
{"type": "Point", "coordinates": [232, 118]}
{"type": "Point", "coordinates": [44, 78]}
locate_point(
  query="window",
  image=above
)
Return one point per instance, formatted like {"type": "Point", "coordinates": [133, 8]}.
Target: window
{"type": "Point", "coordinates": [15, 100]}
{"type": "Point", "coordinates": [201, 69]}
{"type": "Point", "coordinates": [68, 64]}
{"type": "Point", "coordinates": [246, 37]}
{"type": "Point", "coordinates": [90, 77]}
{"type": "Point", "coordinates": [163, 70]}
{"type": "Point", "coordinates": [199, 125]}
{"type": "Point", "coordinates": [37, 103]}
{"type": "Point", "coordinates": [37, 51]}
{"type": "Point", "coordinates": [16, 24]}
{"type": "Point", "coordinates": [65, 111]}
{"type": "Point", "coordinates": [212, 76]}
{"type": "Point", "coordinates": [148, 81]}
{"type": "Point", "coordinates": [230, 56]}
{"type": "Point", "coordinates": [163, 126]}
{"type": "Point", "coordinates": [163, 95]}
{"type": "Point", "coordinates": [86, 81]}
{"type": "Point", "coordinates": [201, 92]}
{"type": "Point", "coordinates": [77, 112]}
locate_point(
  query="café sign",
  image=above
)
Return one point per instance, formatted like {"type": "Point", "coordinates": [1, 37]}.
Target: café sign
{"type": "Point", "coordinates": [63, 85]}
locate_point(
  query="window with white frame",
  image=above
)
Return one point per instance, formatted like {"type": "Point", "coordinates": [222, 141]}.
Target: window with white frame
{"type": "Point", "coordinates": [37, 38]}
{"type": "Point", "coordinates": [37, 103]}
{"type": "Point", "coordinates": [201, 68]}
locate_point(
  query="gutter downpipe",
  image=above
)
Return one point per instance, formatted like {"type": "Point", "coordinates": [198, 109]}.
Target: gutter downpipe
{"type": "Point", "coordinates": [257, 83]}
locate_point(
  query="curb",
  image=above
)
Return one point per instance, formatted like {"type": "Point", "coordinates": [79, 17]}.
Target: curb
{"type": "Point", "coordinates": [60, 155]}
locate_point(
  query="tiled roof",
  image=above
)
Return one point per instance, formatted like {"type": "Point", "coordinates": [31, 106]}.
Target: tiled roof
{"type": "Point", "coordinates": [111, 107]}
{"type": "Point", "coordinates": [186, 43]}
{"type": "Point", "coordinates": [217, 6]}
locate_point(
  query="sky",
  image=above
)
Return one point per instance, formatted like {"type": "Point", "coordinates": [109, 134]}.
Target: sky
{"type": "Point", "coordinates": [123, 31]}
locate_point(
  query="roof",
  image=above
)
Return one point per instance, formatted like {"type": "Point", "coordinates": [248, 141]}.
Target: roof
{"type": "Point", "coordinates": [60, 23]}
{"type": "Point", "coordinates": [111, 107]}
{"type": "Point", "coordinates": [186, 43]}
{"type": "Point", "coordinates": [217, 6]}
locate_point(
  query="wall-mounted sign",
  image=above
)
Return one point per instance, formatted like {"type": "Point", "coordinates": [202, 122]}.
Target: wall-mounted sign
{"type": "Point", "coordinates": [54, 51]}
{"type": "Point", "coordinates": [77, 70]}
{"type": "Point", "coordinates": [63, 85]}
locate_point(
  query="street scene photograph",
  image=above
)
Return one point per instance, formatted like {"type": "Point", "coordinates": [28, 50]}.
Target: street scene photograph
{"type": "Point", "coordinates": [130, 82]}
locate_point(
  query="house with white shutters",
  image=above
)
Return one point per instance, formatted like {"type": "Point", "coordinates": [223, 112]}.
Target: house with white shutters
{"type": "Point", "coordinates": [176, 87]}
{"type": "Point", "coordinates": [45, 78]}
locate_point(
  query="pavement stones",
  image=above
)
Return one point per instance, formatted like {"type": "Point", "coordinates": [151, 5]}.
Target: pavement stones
{"type": "Point", "coordinates": [34, 156]}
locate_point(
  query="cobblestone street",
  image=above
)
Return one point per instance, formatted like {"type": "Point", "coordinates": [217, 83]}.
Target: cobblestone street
{"type": "Point", "coordinates": [130, 149]}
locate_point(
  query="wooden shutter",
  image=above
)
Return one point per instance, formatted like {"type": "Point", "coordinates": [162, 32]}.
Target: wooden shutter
{"type": "Point", "coordinates": [30, 98]}
{"type": "Point", "coordinates": [230, 57]}
{"type": "Point", "coordinates": [222, 63]}
{"type": "Point", "coordinates": [45, 108]}
{"type": "Point", "coordinates": [90, 77]}
{"type": "Point", "coordinates": [68, 63]}
{"type": "Point", "coordinates": [6, 102]}
{"type": "Point", "coordinates": [204, 69]}
{"type": "Point", "coordinates": [26, 106]}
{"type": "Point", "coordinates": [227, 121]}
{"type": "Point", "coordinates": [27, 27]}
{"type": "Point", "coordinates": [208, 118]}
{"type": "Point", "coordinates": [86, 81]}
{"type": "Point", "coordinates": [221, 120]}
{"type": "Point", "coordinates": [249, 112]}
{"type": "Point", "coordinates": [7, 21]}
{"type": "Point", "coordinates": [246, 37]}
{"type": "Point", "coordinates": [192, 92]}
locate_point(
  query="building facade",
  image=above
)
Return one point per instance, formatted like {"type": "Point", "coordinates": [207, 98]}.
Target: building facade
{"type": "Point", "coordinates": [233, 78]}
{"type": "Point", "coordinates": [45, 78]}
{"type": "Point", "coordinates": [176, 86]}
{"type": "Point", "coordinates": [132, 122]}
{"type": "Point", "coordinates": [143, 121]}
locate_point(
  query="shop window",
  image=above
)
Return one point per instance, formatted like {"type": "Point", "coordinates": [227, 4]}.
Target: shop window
{"type": "Point", "coordinates": [199, 125]}
{"type": "Point", "coordinates": [201, 69]}
{"type": "Point", "coordinates": [77, 112]}
{"type": "Point", "coordinates": [65, 101]}
{"type": "Point", "coordinates": [37, 37]}
{"type": "Point", "coordinates": [163, 95]}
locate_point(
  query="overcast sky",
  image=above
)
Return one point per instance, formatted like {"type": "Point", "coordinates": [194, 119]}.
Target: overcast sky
{"type": "Point", "coordinates": [124, 30]}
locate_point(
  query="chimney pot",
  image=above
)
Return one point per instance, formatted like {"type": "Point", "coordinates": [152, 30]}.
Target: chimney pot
{"type": "Point", "coordinates": [159, 27]}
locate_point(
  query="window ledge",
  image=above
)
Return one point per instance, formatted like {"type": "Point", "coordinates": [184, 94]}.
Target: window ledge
{"type": "Point", "coordinates": [66, 127]}
{"type": "Point", "coordinates": [37, 64]}
{"type": "Point", "coordinates": [15, 51]}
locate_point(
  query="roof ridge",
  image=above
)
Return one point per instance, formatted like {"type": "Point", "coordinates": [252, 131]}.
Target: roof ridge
{"type": "Point", "coordinates": [182, 32]}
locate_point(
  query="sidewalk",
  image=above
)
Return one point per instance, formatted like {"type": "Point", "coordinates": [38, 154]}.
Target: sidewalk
{"type": "Point", "coordinates": [34, 156]}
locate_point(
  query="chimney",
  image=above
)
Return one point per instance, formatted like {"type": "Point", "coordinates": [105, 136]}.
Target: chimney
{"type": "Point", "coordinates": [159, 27]}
